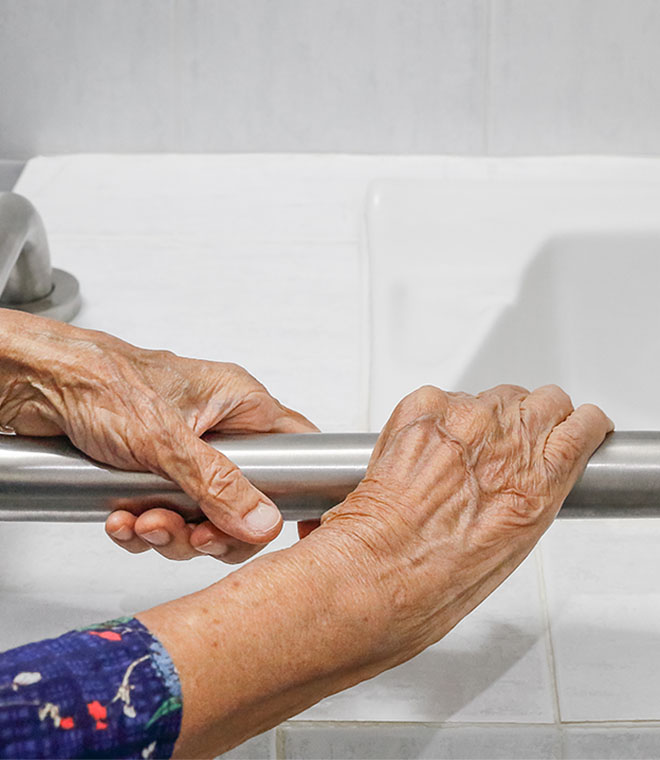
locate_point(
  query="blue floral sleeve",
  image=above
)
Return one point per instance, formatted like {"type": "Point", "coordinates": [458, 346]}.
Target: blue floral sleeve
{"type": "Point", "coordinates": [107, 691]}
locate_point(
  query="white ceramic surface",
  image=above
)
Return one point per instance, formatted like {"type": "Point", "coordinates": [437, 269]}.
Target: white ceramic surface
{"type": "Point", "coordinates": [517, 279]}
{"type": "Point", "coordinates": [392, 742]}
{"type": "Point", "coordinates": [604, 603]}
{"type": "Point", "coordinates": [262, 747]}
{"type": "Point", "coordinates": [611, 742]}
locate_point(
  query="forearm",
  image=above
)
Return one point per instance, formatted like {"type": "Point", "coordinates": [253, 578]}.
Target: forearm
{"type": "Point", "coordinates": [268, 641]}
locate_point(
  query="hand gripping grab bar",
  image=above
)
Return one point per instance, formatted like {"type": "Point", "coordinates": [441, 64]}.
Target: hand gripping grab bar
{"type": "Point", "coordinates": [47, 479]}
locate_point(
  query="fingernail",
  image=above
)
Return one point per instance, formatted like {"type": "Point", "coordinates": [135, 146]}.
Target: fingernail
{"type": "Point", "coordinates": [122, 534]}
{"type": "Point", "coordinates": [157, 537]}
{"type": "Point", "coordinates": [262, 518]}
{"type": "Point", "coordinates": [216, 548]}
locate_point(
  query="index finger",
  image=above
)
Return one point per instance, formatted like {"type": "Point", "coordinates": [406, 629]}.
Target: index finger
{"type": "Point", "coordinates": [573, 441]}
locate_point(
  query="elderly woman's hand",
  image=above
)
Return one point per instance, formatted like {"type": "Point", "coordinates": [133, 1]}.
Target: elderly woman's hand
{"type": "Point", "coordinates": [145, 410]}
{"type": "Point", "coordinates": [458, 491]}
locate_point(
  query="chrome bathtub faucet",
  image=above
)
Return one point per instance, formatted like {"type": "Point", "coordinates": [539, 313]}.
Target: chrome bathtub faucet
{"type": "Point", "coordinates": [27, 280]}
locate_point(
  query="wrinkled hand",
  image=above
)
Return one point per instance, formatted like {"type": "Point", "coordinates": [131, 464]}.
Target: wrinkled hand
{"type": "Point", "coordinates": [145, 410]}
{"type": "Point", "coordinates": [457, 492]}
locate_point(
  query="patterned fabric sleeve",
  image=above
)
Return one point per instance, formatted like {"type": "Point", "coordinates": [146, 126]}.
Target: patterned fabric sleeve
{"type": "Point", "coordinates": [107, 691]}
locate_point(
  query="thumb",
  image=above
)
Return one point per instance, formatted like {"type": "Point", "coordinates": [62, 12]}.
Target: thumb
{"type": "Point", "coordinates": [223, 493]}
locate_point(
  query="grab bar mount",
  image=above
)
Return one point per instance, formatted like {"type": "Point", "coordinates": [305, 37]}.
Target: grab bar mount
{"type": "Point", "coordinates": [27, 280]}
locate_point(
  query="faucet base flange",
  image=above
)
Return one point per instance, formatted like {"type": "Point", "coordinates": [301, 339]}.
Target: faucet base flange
{"type": "Point", "coordinates": [62, 303]}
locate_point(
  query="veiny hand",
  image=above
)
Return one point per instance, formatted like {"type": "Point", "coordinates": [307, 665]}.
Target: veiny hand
{"type": "Point", "coordinates": [458, 491]}
{"type": "Point", "coordinates": [145, 410]}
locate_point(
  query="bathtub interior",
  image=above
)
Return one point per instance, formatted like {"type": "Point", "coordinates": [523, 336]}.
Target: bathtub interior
{"type": "Point", "coordinates": [476, 283]}
{"type": "Point", "coordinates": [342, 292]}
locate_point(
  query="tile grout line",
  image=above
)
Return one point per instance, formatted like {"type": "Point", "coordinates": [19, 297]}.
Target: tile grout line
{"type": "Point", "coordinates": [547, 634]}
{"type": "Point", "coordinates": [280, 745]}
{"type": "Point", "coordinates": [366, 311]}
{"type": "Point", "coordinates": [176, 54]}
{"type": "Point", "coordinates": [469, 724]}
{"type": "Point", "coordinates": [487, 77]}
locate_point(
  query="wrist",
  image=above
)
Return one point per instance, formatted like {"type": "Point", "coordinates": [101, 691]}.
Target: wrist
{"type": "Point", "coordinates": [30, 355]}
{"type": "Point", "coordinates": [270, 640]}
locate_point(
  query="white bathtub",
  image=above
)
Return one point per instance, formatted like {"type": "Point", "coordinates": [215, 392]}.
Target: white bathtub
{"type": "Point", "coordinates": [343, 283]}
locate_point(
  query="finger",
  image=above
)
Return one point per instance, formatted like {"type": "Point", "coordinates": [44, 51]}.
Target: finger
{"type": "Point", "coordinates": [257, 412]}
{"type": "Point", "coordinates": [225, 496]}
{"type": "Point", "coordinates": [545, 408]}
{"type": "Point", "coordinates": [232, 401]}
{"type": "Point", "coordinates": [166, 532]}
{"type": "Point", "coordinates": [573, 441]}
{"type": "Point", "coordinates": [120, 528]}
{"type": "Point", "coordinates": [207, 539]}
{"type": "Point", "coordinates": [291, 421]}
{"type": "Point", "coordinates": [305, 527]}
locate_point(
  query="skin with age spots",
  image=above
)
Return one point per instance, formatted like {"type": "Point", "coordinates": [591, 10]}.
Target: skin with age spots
{"type": "Point", "coordinates": [146, 410]}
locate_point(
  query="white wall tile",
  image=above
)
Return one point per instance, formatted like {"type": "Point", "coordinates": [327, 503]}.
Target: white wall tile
{"type": "Point", "coordinates": [79, 76]}
{"type": "Point", "coordinates": [260, 747]}
{"type": "Point", "coordinates": [604, 606]}
{"type": "Point", "coordinates": [574, 76]}
{"type": "Point", "coordinates": [632, 742]}
{"type": "Point", "coordinates": [9, 173]}
{"type": "Point", "coordinates": [332, 75]}
{"type": "Point", "coordinates": [385, 742]}
{"type": "Point", "coordinates": [491, 668]}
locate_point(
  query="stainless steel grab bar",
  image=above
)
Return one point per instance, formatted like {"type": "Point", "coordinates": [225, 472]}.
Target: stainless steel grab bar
{"type": "Point", "coordinates": [47, 479]}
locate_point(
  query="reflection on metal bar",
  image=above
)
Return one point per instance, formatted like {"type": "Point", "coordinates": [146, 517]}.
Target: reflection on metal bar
{"type": "Point", "coordinates": [47, 479]}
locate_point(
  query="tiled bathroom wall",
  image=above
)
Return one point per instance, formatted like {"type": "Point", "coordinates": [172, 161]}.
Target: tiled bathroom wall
{"type": "Point", "coordinates": [375, 76]}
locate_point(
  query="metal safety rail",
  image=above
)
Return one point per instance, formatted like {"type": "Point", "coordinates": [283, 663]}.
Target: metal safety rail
{"type": "Point", "coordinates": [47, 479]}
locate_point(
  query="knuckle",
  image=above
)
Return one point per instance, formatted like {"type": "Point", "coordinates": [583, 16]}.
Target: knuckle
{"type": "Point", "coordinates": [559, 393]}
{"type": "Point", "coordinates": [428, 394]}
{"type": "Point", "coordinates": [425, 397]}
{"type": "Point", "coordinates": [508, 388]}
{"type": "Point", "coordinates": [592, 411]}
{"type": "Point", "coordinates": [237, 372]}
{"type": "Point", "coordinates": [486, 406]}
{"type": "Point", "coordinates": [163, 355]}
